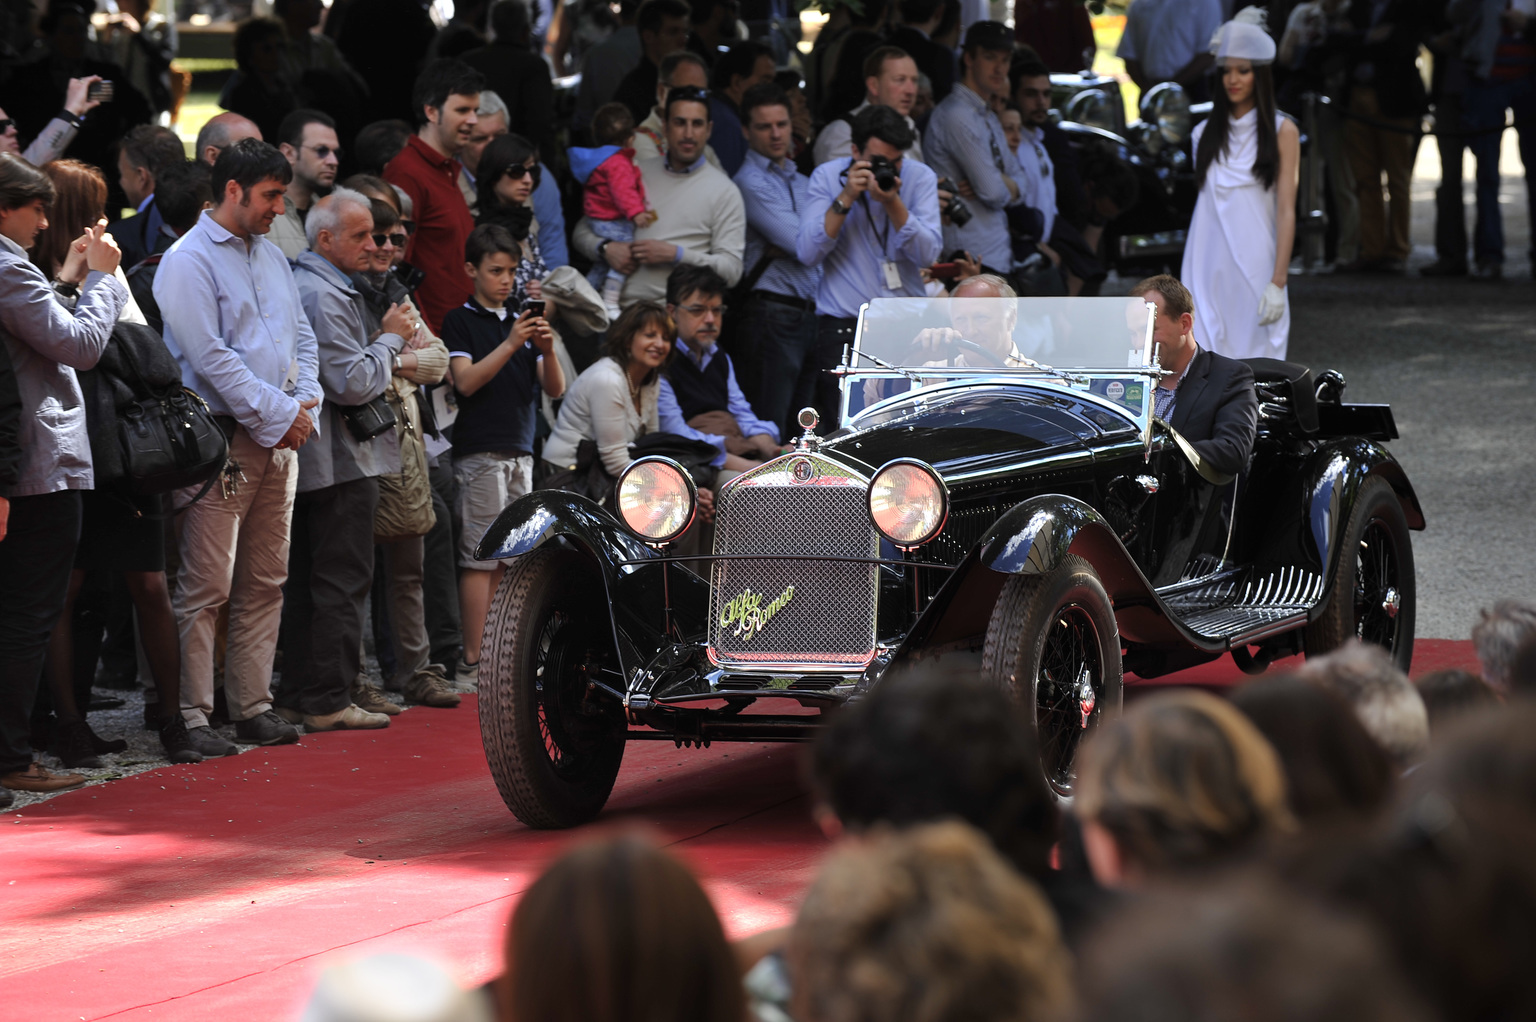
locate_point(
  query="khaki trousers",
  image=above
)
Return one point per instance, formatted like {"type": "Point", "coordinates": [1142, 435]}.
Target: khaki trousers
{"type": "Point", "coordinates": [403, 570]}
{"type": "Point", "coordinates": [234, 551]}
{"type": "Point", "coordinates": [1373, 152]}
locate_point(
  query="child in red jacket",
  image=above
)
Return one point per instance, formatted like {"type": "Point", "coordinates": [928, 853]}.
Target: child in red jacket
{"type": "Point", "coordinates": [614, 199]}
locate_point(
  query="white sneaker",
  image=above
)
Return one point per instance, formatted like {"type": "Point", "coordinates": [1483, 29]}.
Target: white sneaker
{"type": "Point", "coordinates": [612, 287]}
{"type": "Point", "coordinates": [353, 718]}
{"type": "Point", "coordinates": [466, 676]}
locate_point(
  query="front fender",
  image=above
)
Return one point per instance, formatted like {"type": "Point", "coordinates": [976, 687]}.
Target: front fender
{"type": "Point", "coordinates": [543, 515]}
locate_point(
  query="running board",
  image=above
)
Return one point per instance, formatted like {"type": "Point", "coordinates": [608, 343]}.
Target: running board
{"type": "Point", "coordinates": [1239, 614]}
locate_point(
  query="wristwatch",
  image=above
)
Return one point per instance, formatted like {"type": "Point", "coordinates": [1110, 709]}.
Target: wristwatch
{"type": "Point", "coordinates": [839, 208]}
{"type": "Point", "coordinates": [602, 245]}
{"type": "Point", "coordinates": [398, 364]}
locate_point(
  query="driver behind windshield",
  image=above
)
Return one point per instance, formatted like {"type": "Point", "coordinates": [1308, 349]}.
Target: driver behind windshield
{"type": "Point", "coordinates": [980, 334]}
{"type": "Point", "coordinates": [1208, 398]}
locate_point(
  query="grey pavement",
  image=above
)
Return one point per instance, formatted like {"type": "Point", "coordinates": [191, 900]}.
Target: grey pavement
{"type": "Point", "coordinates": [1456, 359]}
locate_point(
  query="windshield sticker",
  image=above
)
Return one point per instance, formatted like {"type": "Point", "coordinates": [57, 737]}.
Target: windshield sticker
{"type": "Point", "coordinates": [750, 614]}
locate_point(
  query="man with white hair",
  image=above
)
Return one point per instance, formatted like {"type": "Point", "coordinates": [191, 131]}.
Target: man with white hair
{"type": "Point", "coordinates": [1383, 698]}
{"type": "Point", "coordinates": [1499, 635]}
{"type": "Point", "coordinates": [330, 558]}
{"type": "Point", "coordinates": [490, 122]}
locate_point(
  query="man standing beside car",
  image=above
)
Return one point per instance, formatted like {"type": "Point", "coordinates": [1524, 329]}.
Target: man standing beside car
{"type": "Point", "coordinates": [872, 238]}
{"type": "Point", "coordinates": [966, 144]}
{"type": "Point", "coordinates": [1209, 398]}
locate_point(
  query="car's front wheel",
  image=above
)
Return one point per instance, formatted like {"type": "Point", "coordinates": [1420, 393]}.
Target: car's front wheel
{"type": "Point", "coordinates": [553, 742]}
{"type": "Point", "coordinates": [1053, 643]}
{"type": "Point", "coordinates": [1374, 597]}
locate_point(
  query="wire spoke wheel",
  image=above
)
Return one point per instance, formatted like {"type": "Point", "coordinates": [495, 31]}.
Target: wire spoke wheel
{"type": "Point", "coordinates": [1378, 596]}
{"type": "Point", "coordinates": [1053, 643]}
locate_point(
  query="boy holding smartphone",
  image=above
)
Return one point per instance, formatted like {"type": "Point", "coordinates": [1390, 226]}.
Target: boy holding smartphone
{"type": "Point", "coordinates": [500, 359]}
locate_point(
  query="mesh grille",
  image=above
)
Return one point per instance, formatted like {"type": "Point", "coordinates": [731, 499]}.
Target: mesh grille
{"type": "Point", "coordinates": [829, 619]}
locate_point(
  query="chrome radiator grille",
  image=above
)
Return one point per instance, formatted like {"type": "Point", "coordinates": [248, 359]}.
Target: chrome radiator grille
{"type": "Point", "coordinates": [803, 612]}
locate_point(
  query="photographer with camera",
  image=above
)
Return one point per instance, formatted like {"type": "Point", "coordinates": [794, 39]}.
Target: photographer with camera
{"type": "Point", "coordinates": [872, 223]}
{"type": "Point", "coordinates": [966, 145]}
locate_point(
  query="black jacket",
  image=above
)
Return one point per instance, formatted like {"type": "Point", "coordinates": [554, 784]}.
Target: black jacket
{"type": "Point", "coordinates": [1217, 410]}
{"type": "Point", "coordinates": [10, 422]}
{"type": "Point", "coordinates": [1399, 88]}
{"type": "Point", "coordinates": [521, 78]}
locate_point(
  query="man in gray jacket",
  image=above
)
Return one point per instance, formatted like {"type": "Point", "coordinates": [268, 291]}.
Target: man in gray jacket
{"type": "Point", "coordinates": [330, 559]}
{"type": "Point", "coordinates": [40, 489]}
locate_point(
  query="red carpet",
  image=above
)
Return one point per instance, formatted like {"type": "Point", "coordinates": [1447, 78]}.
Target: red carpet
{"type": "Point", "coordinates": [220, 890]}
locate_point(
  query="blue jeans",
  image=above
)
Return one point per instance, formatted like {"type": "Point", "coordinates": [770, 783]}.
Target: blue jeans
{"type": "Point", "coordinates": [780, 339]}
{"type": "Point", "coordinates": [1485, 106]}
{"type": "Point", "coordinates": [608, 230]}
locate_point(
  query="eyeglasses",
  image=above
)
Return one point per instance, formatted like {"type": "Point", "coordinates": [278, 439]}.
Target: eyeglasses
{"type": "Point", "coordinates": [409, 225]}
{"type": "Point", "coordinates": [324, 151]}
{"type": "Point", "coordinates": [703, 310]}
{"type": "Point", "coordinates": [397, 240]}
{"type": "Point", "coordinates": [517, 170]}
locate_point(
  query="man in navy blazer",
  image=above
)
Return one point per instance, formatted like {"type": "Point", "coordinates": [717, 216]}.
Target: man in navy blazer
{"type": "Point", "coordinates": [1209, 400]}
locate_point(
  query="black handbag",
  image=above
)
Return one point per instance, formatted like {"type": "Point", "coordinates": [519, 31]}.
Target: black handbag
{"type": "Point", "coordinates": [588, 477]}
{"type": "Point", "coordinates": [150, 435]}
{"type": "Point", "coordinates": [696, 456]}
{"type": "Point", "coordinates": [368, 420]}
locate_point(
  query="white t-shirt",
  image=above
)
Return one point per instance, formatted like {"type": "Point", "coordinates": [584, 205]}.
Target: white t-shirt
{"type": "Point", "coordinates": [1165, 35]}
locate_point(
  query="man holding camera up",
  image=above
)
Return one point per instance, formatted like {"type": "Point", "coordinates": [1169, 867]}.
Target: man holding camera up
{"type": "Point", "coordinates": [872, 223]}
{"type": "Point", "coordinates": [966, 145]}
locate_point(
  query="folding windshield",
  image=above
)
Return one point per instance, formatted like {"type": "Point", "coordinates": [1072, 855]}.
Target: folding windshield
{"type": "Point", "coordinates": [1101, 346]}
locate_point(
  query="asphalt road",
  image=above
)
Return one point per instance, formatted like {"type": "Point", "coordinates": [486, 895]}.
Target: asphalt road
{"type": "Point", "coordinates": [1457, 362]}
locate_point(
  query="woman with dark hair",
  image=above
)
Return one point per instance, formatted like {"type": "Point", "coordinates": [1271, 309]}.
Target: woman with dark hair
{"type": "Point", "coordinates": [120, 531]}
{"type": "Point", "coordinates": [1240, 238]}
{"type": "Point", "coordinates": [509, 172]}
{"type": "Point", "coordinates": [618, 930]}
{"type": "Point", "coordinates": [40, 494]}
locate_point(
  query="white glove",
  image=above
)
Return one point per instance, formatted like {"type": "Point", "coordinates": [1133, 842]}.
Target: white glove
{"type": "Point", "coordinates": [1271, 305]}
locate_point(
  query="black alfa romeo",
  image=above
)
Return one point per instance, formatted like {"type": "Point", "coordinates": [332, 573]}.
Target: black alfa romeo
{"type": "Point", "coordinates": [998, 497]}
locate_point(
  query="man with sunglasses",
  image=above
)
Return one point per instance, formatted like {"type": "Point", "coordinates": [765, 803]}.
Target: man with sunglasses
{"type": "Point", "coordinates": [308, 139]}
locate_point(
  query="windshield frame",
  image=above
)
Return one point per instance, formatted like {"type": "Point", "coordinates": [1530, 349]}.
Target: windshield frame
{"type": "Point", "coordinates": [857, 367]}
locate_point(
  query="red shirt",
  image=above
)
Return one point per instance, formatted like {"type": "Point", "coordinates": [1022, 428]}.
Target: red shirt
{"type": "Point", "coordinates": [615, 190]}
{"type": "Point", "coordinates": [443, 224]}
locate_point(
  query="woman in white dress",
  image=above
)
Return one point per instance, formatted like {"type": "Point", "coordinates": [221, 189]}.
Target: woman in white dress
{"type": "Point", "coordinates": [1246, 157]}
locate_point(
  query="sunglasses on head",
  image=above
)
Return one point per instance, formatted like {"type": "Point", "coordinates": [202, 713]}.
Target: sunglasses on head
{"type": "Point", "coordinates": [517, 170]}
{"type": "Point", "coordinates": [397, 240]}
{"type": "Point", "coordinates": [683, 92]}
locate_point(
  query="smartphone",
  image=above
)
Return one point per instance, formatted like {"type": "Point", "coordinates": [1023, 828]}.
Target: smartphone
{"type": "Point", "coordinates": [944, 271]}
{"type": "Point", "coordinates": [100, 92]}
{"type": "Point", "coordinates": [535, 307]}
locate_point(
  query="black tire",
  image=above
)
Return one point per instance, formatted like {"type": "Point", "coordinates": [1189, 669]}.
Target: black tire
{"type": "Point", "coordinates": [1045, 630]}
{"type": "Point", "coordinates": [553, 745]}
{"type": "Point", "coordinates": [1373, 573]}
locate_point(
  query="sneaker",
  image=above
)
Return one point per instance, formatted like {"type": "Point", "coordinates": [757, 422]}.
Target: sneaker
{"type": "Point", "coordinates": [266, 728]}
{"type": "Point", "coordinates": [466, 676]}
{"type": "Point", "coordinates": [371, 699]}
{"type": "Point", "coordinates": [429, 689]}
{"type": "Point", "coordinates": [294, 717]}
{"type": "Point", "coordinates": [37, 778]}
{"type": "Point", "coordinates": [209, 744]}
{"type": "Point", "coordinates": [72, 744]}
{"type": "Point", "coordinates": [353, 718]}
{"type": "Point", "coordinates": [613, 288]}
{"type": "Point", "coordinates": [176, 742]}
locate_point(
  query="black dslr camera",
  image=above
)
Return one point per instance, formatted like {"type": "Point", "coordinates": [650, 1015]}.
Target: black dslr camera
{"type": "Point", "coordinates": [959, 213]}
{"type": "Point", "coordinates": [884, 171]}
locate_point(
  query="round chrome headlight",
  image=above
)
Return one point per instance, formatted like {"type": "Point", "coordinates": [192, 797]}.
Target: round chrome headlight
{"type": "Point", "coordinates": [1091, 107]}
{"type": "Point", "coordinates": [908, 502]}
{"type": "Point", "coordinates": [1167, 106]}
{"type": "Point", "coordinates": [657, 499]}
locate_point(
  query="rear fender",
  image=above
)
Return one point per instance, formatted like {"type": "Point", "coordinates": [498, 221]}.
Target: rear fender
{"type": "Point", "coordinates": [1340, 470]}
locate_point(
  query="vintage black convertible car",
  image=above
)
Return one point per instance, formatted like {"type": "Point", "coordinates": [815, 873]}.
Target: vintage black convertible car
{"type": "Point", "coordinates": [998, 497]}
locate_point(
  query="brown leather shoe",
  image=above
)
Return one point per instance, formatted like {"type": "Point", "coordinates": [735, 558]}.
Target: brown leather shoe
{"type": "Point", "coordinates": [36, 778]}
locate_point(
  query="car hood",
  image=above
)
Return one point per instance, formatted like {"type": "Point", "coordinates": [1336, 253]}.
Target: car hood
{"type": "Point", "coordinates": [971, 429]}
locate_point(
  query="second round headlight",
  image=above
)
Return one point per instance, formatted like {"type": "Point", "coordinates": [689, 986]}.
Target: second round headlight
{"type": "Point", "coordinates": [908, 502]}
{"type": "Point", "coordinates": [656, 499]}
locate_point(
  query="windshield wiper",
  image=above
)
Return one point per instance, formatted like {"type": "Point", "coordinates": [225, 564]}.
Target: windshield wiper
{"type": "Point", "coordinates": [883, 364]}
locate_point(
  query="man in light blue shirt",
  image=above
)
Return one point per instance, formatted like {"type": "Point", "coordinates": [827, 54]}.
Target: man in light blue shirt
{"type": "Point", "coordinates": [870, 242]}
{"type": "Point", "coordinates": [777, 329]}
{"type": "Point", "coordinates": [1169, 41]}
{"type": "Point", "coordinates": [966, 144]}
{"type": "Point", "coordinates": [234, 323]}
{"type": "Point", "coordinates": [699, 395]}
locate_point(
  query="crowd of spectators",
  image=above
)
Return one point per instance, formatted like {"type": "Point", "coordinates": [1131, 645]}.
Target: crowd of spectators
{"type": "Point", "coordinates": [1335, 843]}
